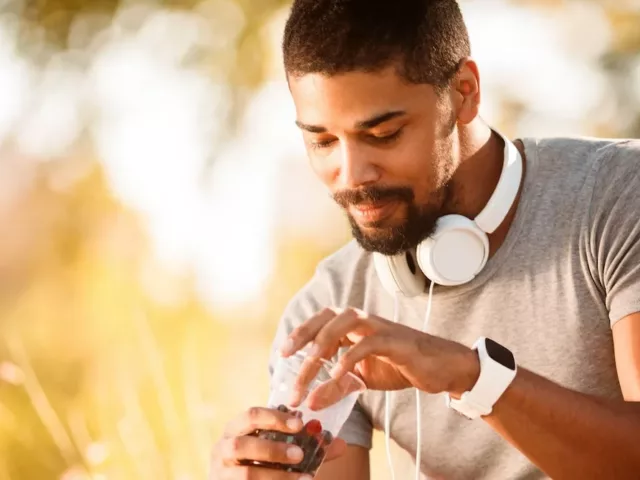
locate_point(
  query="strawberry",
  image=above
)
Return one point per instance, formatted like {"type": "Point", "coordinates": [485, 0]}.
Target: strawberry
{"type": "Point", "coordinates": [313, 427]}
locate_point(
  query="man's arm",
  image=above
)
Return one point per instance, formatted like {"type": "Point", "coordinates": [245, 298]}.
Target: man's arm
{"type": "Point", "coordinates": [572, 435]}
{"type": "Point", "coordinates": [568, 434]}
{"type": "Point", "coordinates": [626, 340]}
{"type": "Point", "coordinates": [353, 465]}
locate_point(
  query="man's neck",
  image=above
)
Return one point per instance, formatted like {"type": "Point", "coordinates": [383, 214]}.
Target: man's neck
{"type": "Point", "coordinates": [482, 161]}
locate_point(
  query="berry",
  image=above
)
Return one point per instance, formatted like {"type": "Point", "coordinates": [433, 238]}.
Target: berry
{"type": "Point", "coordinates": [312, 439]}
{"type": "Point", "coordinates": [313, 427]}
{"type": "Point", "coordinates": [327, 438]}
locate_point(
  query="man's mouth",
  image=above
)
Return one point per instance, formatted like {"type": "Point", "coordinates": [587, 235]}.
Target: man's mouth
{"type": "Point", "coordinates": [371, 213]}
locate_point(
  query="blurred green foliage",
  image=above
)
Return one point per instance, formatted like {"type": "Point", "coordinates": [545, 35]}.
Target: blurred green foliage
{"type": "Point", "coordinates": [244, 61]}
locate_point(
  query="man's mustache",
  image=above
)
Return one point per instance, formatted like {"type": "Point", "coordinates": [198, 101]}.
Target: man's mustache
{"type": "Point", "coordinates": [346, 198]}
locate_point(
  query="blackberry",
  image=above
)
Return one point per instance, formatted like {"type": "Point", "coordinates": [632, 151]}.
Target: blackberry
{"type": "Point", "coordinates": [312, 439]}
{"type": "Point", "coordinates": [327, 438]}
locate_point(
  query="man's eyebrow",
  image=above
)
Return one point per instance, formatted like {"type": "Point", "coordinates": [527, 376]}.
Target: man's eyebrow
{"type": "Point", "coordinates": [378, 119]}
{"type": "Point", "coordinates": [311, 128]}
{"type": "Point", "coordinates": [362, 125]}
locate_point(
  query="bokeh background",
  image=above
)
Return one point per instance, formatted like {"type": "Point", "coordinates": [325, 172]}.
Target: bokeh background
{"type": "Point", "coordinates": [157, 210]}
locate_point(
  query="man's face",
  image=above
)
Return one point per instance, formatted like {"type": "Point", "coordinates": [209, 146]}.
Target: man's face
{"type": "Point", "coordinates": [384, 149]}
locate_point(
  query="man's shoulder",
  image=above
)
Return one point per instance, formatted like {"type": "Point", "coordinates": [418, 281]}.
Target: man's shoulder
{"type": "Point", "coordinates": [616, 181]}
{"type": "Point", "coordinates": [581, 165]}
{"type": "Point", "coordinates": [340, 279]}
{"type": "Point", "coordinates": [345, 277]}
{"type": "Point", "coordinates": [595, 152]}
{"type": "Point", "coordinates": [621, 156]}
{"type": "Point", "coordinates": [608, 163]}
{"type": "Point", "coordinates": [347, 272]}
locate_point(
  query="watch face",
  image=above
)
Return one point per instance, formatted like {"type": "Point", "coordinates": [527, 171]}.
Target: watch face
{"type": "Point", "coordinates": [500, 354]}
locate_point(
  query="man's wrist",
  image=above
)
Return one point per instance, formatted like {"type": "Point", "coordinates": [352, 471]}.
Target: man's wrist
{"type": "Point", "coordinates": [467, 374]}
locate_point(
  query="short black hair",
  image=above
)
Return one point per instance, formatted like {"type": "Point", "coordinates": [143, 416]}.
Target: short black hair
{"type": "Point", "coordinates": [425, 39]}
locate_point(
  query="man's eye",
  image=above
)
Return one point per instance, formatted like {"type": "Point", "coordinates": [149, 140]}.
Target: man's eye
{"type": "Point", "coordinates": [383, 139]}
{"type": "Point", "coordinates": [387, 138]}
{"type": "Point", "coordinates": [320, 145]}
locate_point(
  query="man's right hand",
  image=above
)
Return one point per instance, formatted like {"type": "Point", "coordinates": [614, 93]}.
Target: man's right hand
{"type": "Point", "coordinates": [235, 446]}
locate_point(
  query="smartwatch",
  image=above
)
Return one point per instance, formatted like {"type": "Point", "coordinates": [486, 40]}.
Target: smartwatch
{"type": "Point", "coordinates": [497, 371]}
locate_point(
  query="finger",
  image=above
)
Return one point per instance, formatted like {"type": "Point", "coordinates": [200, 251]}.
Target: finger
{"type": "Point", "coordinates": [306, 332]}
{"type": "Point", "coordinates": [333, 391]}
{"type": "Point", "coordinates": [261, 450]}
{"type": "Point", "coordinates": [326, 343]}
{"type": "Point", "coordinates": [259, 418]}
{"type": "Point", "coordinates": [308, 371]}
{"type": "Point", "coordinates": [378, 345]}
{"type": "Point", "coordinates": [257, 473]}
{"type": "Point", "coordinates": [333, 334]}
{"type": "Point", "coordinates": [310, 368]}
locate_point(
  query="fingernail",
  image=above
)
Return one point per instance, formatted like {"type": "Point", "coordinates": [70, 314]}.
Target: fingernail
{"type": "Point", "coordinates": [294, 423]}
{"type": "Point", "coordinates": [305, 477]}
{"type": "Point", "coordinates": [294, 453]}
{"type": "Point", "coordinates": [286, 347]}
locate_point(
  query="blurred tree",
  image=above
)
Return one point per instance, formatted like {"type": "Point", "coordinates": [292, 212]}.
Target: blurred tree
{"type": "Point", "coordinates": [622, 64]}
{"type": "Point", "coordinates": [109, 364]}
{"type": "Point", "coordinates": [88, 348]}
{"type": "Point", "coordinates": [240, 65]}
{"type": "Point", "coordinates": [244, 59]}
{"type": "Point", "coordinates": [98, 373]}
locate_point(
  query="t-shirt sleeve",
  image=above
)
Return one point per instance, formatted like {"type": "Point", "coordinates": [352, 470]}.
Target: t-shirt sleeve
{"type": "Point", "coordinates": [615, 229]}
{"type": "Point", "coordinates": [313, 297]}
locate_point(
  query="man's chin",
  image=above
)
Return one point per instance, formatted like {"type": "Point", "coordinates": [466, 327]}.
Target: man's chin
{"type": "Point", "coordinates": [387, 241]}
{"type": "Point", "coordinates": [399, 232]}
{"type": "Point", "coordinates": [390, 237]}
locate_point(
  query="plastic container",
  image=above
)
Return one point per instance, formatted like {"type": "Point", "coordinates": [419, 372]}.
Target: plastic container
{"type": "Point", "coordinates": [324, 406]}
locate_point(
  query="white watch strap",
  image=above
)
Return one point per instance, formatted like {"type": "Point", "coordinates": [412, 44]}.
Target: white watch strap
{"type": "Point", "coordinates": [494, 379]}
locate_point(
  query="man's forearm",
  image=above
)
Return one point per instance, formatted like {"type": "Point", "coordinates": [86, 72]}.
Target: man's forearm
{"type": "Point", "coordinates": [353, 465]}
{"type": "Point", "coordinates": [568, 434]}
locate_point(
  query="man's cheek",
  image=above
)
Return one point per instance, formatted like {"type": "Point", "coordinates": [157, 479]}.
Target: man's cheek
{"type": "Point", "coordinates": [324, 173]}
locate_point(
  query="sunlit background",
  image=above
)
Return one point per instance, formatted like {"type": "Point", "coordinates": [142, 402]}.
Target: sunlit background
{"type": "Point", "coordinates": [157, 211]}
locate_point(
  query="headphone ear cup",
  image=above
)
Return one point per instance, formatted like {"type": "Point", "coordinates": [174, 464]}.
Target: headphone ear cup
{"type": "Point", "coordinates": [455, 253]}
{"type": "Point", "coordinates": [400, 273]}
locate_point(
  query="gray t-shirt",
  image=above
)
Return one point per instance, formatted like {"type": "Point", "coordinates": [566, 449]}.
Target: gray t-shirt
{"type": "Point", "coordinates": [568, 269]}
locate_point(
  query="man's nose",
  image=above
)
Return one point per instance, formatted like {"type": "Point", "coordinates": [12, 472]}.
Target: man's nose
{"type": "Point", "coordinates": [355, 167]}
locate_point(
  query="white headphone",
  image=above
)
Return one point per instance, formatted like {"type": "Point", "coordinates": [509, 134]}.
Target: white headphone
{"type": "Point", "coordinates": [454, 254]}
{"type": "Point", "coordinates": [459, 247]}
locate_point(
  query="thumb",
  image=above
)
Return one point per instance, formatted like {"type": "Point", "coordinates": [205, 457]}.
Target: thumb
{"type": "Point", "coordinates": [337, 448]}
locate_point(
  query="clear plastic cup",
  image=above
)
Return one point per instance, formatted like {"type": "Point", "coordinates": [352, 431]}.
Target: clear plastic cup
{"type": "Point", "coordinates": [324, 406]}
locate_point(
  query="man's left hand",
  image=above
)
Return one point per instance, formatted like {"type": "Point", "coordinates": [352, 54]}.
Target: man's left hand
{"type": "Point", "coordinates": [384, 354]}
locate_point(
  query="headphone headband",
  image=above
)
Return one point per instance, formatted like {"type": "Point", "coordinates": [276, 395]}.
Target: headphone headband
{"type": "Point", "coordinates": [503, 197]}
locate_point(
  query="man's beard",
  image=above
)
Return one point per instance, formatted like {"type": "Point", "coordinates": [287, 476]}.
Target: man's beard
{"type": "Point", "coordinates": [418, 224]}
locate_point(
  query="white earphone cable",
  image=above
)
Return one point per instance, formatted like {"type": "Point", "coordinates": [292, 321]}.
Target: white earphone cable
{"type": "Point", "coordinates": [387, 399]}
{"type": "Point", "coordinates": [387, 438]}
{"type": "Point", "coordinates": [418, 406]}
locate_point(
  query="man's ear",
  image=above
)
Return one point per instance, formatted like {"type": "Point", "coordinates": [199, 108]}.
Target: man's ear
{"type": "Point", "coordinates": [465, 90]}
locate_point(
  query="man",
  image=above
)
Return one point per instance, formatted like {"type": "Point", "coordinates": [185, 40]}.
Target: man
{"type": "Point", "coordinates": [387, 98]}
